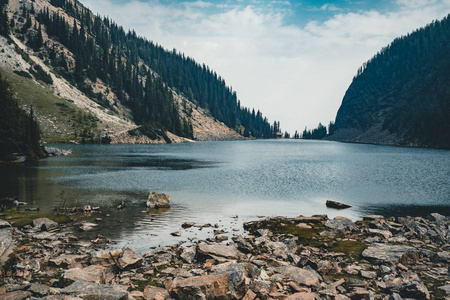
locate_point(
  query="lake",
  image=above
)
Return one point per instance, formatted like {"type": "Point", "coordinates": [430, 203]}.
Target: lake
{"type": "Point", "coordinates": [227, 183]}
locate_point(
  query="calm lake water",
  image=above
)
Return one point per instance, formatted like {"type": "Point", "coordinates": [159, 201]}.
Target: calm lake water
{"type": "Point", "coordinates": [231, 182]}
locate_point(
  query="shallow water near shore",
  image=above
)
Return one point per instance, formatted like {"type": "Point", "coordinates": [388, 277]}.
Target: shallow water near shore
{"type": "Point", "coordinates": [227, 183]}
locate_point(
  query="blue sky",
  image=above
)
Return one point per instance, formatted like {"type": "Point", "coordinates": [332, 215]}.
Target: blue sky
{"type": "Point", "coordinates": [293, 60]}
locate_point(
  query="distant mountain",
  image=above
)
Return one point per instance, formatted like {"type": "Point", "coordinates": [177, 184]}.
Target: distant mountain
{"type": "Point", "coordinates": [402, 95]}
{"type": "Point", "coordinates": [90, 81]}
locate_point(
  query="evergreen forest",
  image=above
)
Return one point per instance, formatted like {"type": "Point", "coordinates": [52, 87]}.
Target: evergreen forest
{"type": "Point", "coordinates": [140, 72]}
{"type": "Point", "coordinates": [405, 88]}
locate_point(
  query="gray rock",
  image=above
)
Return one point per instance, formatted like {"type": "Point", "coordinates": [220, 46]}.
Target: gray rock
{"type": "Point", "coordinates": [386, 234]}
{"type": "Point", "coordinates": [373, 217]}
{"type": "Point", "coordinates": [156, 201]}
{"type": "Point", "coordinates": [385, 254]}
{"type": "Point", "coordinates": [92, 273]}
{"type": "Point", "coordinates": [445, 288]}
{"type": "Point", "coordinates": [6, 244]}
{"type": "Point", "coordinates": [443, 256]}
{"type": "Point", "coordinates": [243, 244]}
{"type": "Point", "coordinates": [202, 287]}
{"type": "Point", "coordinates": [395, 296]}
{"type": "Point", "coordinates": [4, 224]}
{"type": "Point", "coordinates": [44, 224]}
{"type": "Point", "coordinates": [340, 224]}
{"type": "Point", "coordinates": [16, 295]}
{"type": "Point", "coordinates": [414, 289]}
{"type": "Point", "coordinates": [155, 293]}
{"type": "Point", "coordinates": [188, 254]}
{"type": "Point", "coordinates": [436, 217]}
{"type": "Point", "coordinates": [90, 290]}
{"type": "Point", "coordinates": [236, 273]}
{"type": "Point", "coordinates": [39, 290]}
{"type": "Point", "coordinates": [129, 259]}
{"type": "Point", "coordinates": [302, 276]}
{"type": "Point", "coordinates": [217, 250]}
{"type": "Point", "coordinates": [66, 260]}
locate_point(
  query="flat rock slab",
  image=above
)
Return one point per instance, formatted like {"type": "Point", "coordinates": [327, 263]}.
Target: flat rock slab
{"type": "Point", "coordinates": [44, 224]}
{"type": "Point", "coordinates": [155, 293]}
{"type": "Point", "coordinates": [302, 276]}
{"type": "Point", "coordinates": [340, 223]}
{"type": "Point", "coordinates": [6, 245]}
{"type": "Point", "coordinates": [202, 287]}
{"type": "Point", "coordinates": [66, 260]}
{"type": "Point", "coordinates": [129, 259]}
{"type": "Point", "coordinates": [92, 273]}
{"type": "Point", "coordinates": [90, 290]}
{"type": "Point", "coordinates": [218, 250]}
{"type": "Point", "coordinates": [384, 254]}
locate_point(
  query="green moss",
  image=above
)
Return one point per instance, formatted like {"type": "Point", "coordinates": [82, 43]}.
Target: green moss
{"type": "Point", "coordinates": [139, 285]}
{"type": "Point", "coordinates": [21, 219]}
{"type": "Point", "coordinates": [351, 248]}
{"type": "Point", "coordinates": [309, 237]}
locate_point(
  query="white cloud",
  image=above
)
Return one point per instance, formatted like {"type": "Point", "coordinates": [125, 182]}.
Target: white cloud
{"type": "Point", "coordinates": [297, 75]}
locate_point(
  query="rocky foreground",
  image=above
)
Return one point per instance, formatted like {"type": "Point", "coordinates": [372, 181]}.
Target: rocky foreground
{"type": "Point", "coordinates": [281, 258]}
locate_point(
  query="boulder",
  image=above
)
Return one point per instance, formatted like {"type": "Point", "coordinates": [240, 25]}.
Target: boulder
{"type": "Point", "coordinates": [386, 234]}
{"type": "Point", "coordinates": [302, 276]}
{"type": "Point", "coordinates": [105, 257]}
{"type": "Point", "coordinates": [202, 287]}
{"type": "Point", "coordinates": [337, 205]}
{"type": "Point", "coordinates": [66, 260]}
{"type": "Point", "coordinates": [16, 295]}
{"type": "Point", "coordinates": [188, 254]}
{"type": "Point", "coordinates": [385, 254]}
{"type": "Point", "coordinates": [340, 224]}
{"type": "Point", "coordinates": [155, 293]}
{"type": "Point", "coordinates": [129, 259]}
{"type": "Point", "coordinates": [6, 245]}
{"type": "Point", "coordinates": [4, 224]}
{"type": "Point", "coordinates": [156, 201]}
{"type": "Point", "coordinates": [237, 274]}
{"type": "Point", "coordinates": [90, 290]}
{"type": "Point", "coordinates": [204, 251]}
{"type": "Point", "coordinates": [93, 273]}
{"type": "Point", "coordinates": [44, 224]}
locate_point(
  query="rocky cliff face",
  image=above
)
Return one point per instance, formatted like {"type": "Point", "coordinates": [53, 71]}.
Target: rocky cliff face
{"type": "Point", "coordinates": [402, 95]}
{"type": "Point", "coordinates": [64, 111]}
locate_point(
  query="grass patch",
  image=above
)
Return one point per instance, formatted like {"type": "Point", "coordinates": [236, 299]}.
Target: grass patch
{"type": "Point", "coordinates": [63, 112]}
{"type": "Point", "coordinates": [307, 237]}
{"type": "Point", "coordinates": [139, 285]}
{"type": "Point", "coordinates": [353, 249]}
{"type": "Point", "coordinates": [21, 219]}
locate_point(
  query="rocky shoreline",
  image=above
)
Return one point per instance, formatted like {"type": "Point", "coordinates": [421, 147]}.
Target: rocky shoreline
{"type": "Point", "coordinates": [280, 258]}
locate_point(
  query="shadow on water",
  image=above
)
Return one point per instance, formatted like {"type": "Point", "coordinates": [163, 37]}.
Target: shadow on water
{"type": "Point", "coordinates": [406, 210]}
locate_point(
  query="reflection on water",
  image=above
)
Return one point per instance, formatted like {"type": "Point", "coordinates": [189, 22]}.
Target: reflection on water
{"type": "Point", "coordinates": [215, 182]}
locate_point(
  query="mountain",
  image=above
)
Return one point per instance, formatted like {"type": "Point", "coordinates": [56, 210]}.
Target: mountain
{"type": "Point", "coordinates": [402, 95]}
{"type": "Point", "coordinates": [90, 81]}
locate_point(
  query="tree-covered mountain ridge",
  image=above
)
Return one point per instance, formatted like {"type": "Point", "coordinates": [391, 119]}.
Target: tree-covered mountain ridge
{"type": "Point", "coordinates": [108, 84]}
{"type": "Point", "coordinates": [402, 95]}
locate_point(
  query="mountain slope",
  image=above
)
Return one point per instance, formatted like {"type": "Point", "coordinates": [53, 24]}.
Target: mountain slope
{"type": "Point", "coordinates": [402, 95]}
{"type": "Point", "coordinates": [118, 80]}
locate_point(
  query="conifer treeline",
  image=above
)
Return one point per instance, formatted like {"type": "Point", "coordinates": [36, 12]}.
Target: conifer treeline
{"type": "Point", "coordinates": [410, 81]}
{"type": "Point", "coordinates": [19, 131]}
{"type": "Point", "coordinates": [102, 49]}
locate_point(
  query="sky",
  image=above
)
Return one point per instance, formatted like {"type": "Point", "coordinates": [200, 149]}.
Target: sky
{"type": "Point", "coordinates": [293, 60]}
